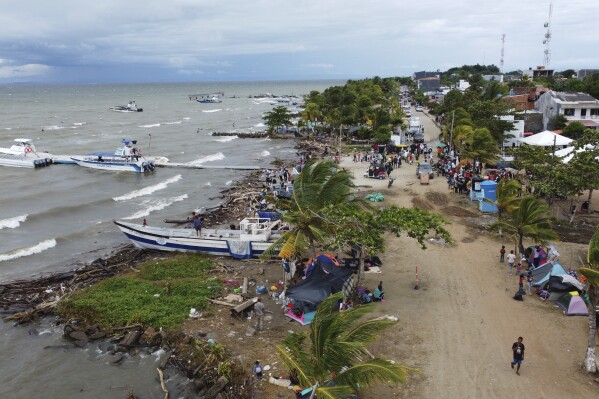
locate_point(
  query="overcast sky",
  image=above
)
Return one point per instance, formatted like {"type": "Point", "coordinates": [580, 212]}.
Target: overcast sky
{"type": "Point", "coordinates": [201, 40]}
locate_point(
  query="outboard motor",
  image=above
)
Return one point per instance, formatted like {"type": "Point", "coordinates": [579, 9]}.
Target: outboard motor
{"type": "Point", "coordinates": [151, 166]}
{"type": "Point", "coordinates": [145, 167]}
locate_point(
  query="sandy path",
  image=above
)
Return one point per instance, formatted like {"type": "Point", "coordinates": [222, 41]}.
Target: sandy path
{"type": "Point", "coordinates": [459, 327]}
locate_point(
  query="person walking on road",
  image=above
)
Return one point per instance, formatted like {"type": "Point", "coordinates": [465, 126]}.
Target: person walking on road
{"type": "Point", "coordinates": [511, 260]}
{"type": "Point", "coordinates": [518, 349]}
{"type": "Point", "coordinates": [259, 312]}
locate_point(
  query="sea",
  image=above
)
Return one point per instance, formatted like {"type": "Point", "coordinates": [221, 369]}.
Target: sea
{"type": "Point", "coordinates": [59, 217]}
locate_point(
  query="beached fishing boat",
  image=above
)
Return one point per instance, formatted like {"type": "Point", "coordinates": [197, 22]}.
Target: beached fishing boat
{"type": "Point", "coordinates": [254, 237]}
{"type": "Point", "coordinates": [23, 154]}
{"type": "Point", "coordinates": [130, 107]}
{"type": "Point", "coordinates": [125, 159]}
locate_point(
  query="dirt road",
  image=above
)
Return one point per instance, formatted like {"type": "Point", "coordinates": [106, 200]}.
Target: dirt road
{"type": "Point", "coordinates": [458, 328]}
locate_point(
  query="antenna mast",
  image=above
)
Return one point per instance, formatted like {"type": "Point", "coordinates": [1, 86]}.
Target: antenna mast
{"type": "Point", "coordinates": [547, 52]}
{"type": "Point", "coordinates": [502, 53]}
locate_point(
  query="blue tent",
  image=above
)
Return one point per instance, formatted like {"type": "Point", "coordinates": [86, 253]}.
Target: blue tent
{"type": "Point", "coordinates": [556, 270]}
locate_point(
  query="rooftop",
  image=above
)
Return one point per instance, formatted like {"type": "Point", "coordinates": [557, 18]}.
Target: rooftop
{"type": "Point", "coordinates": [573, 97]}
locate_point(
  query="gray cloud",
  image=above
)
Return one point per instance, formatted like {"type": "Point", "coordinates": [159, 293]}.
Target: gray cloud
{"type": "Point", "coordinates": [235, 38]}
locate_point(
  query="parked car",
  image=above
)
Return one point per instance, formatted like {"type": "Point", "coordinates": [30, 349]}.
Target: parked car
{"type": "Point", "coordinates": [425, 168]}
{"type": "Point", "coordinates": [419, 108]}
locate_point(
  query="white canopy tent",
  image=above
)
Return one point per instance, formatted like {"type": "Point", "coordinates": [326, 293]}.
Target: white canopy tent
{"type": "Point", "coordinates": [568, 152]}
{"type": "Point", "coordinates": [546, 139]}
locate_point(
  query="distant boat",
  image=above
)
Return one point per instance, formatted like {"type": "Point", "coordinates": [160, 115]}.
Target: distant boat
{"type": "Point", "coordinates": [254, 237]}
{"type": "Point", "coordinates": [131, 107]}
{"type": "Point", "coordinates": [23, 155]}
{"type": "Point", "coordinates": [125, 159]}
{"type": "Point", "coordinates": [209, 98]}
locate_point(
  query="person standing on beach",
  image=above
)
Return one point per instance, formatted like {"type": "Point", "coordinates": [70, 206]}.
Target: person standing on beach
{"type": "Point", "coordinates": [518, 350]}
{"type": "Point", "coordinates": [502, 253]}
{"type": "Point", "coordinates": [197, 224]}
{"type": "Point", "coordinates": [529, 283]}
{"type": "Point", "coordinates": [259, 313]}
{"type": "Point", "coordinates": [511, 261]}
{"type": "Point", "coordinates": [258, 370]}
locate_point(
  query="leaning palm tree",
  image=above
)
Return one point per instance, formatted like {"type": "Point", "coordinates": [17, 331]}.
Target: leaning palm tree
{"type": "Point", "coordinates": [319, 185]}
{"type": "Point", "coordinates": [333, 357]}
{"type": "Point", "coordinates": [529, 220]}
{"type": "Point", "coordinates": [592, 275]}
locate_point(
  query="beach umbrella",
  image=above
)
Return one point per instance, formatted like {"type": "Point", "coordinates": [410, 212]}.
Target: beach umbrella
{"type": "Point", "coordinates": [546, 139]}
{"type": "Point", "coordinates": [441, 145]}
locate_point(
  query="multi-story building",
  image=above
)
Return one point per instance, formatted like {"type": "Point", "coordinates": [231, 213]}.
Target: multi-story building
{"type": "Point", "coordinates": [580, 107]}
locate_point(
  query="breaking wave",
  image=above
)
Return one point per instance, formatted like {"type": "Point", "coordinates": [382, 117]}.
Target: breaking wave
{"type": "Point", "coordinates": [264, 153]}
{"type": "Point", "coordinates": [209, 158]}
{"type": "Point", "coordinates": [226, 139]}
{"type": "Point", "coordinates": [12, 223]}
{"type": "Point", "coordinates": [36, 249]}
{"type": "Point", "coordinates": [173, 123]}
{"type": "Point", "coordinates": [155, 205]}
{"type": "Point", "coordinates": [148, 190]}
{"type": "Point", "coordinates": [211, 110]}
{"type": "Point", "coordinates": [152, 125]}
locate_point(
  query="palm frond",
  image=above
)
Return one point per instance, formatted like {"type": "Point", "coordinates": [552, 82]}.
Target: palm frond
{"type": "Point", "coordinates": [335, 392]}
{"type": "Point", "coordinates": [367, 331]}
{"type": "Point", "coordinates": [295, 359]}
{"type": "Point", "coordinates": [374, 370]}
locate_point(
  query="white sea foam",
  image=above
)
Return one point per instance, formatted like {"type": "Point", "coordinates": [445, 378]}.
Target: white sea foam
{"type": "Point", "coordinates": [36, 249]}
{"type": "Point", "coordinates": [264, 153]}
{"type": "Point", "coordinates": [148, 190]}
{"type": "Point", "coordinates": [79, 123]}
{"type": "Point", "coordinates": [211, 110]}
{"type": "Point", "coordinates": [173, 123]}
{"type": "Point", "coordinates": [53, 127]}
{"type": "Point", "coordinates": [225, 139]}
{"type": "Point", "coordinates": [8, 128]}
{"type": "Point", "coordinates": [229, 182]}
{"type": "Point", "coordinates": [209, 158]}
{"type": "Point", "coordinates": [187, 118]}
{"type": "Point", "coordinates": [266, 139]}
{"type": "Point", "coordinates": [12, 223]}
{"type": "Point", "coordinates": [208, 184]}
{"type": "Point", "coordinates": [260, 125]}
{"type": "Point", "coordinates": [152, 125]}
{"type": "Point", "coordinates": [155, 205]}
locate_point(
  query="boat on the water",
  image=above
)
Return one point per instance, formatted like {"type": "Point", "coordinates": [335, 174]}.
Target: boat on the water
{"type": "Point", "coordinates": [125, 159]}
{"type": "Point", "coordinates": [131, 107]}
{"type": "Point", "coordinates": [23, 154]}
{"type": "Point", "coordinates": [209, 98]}
{"type": "Point", "coordinates": [255, 235]}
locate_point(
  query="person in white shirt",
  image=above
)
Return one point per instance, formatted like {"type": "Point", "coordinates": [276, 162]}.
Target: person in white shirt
{"type": "Point", "coordinates": [511, 261]}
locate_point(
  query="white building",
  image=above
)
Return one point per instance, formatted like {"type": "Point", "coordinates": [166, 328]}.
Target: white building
{"type": "Point", "coordinates": [462, 85]}
{"type": "Point", "coordinates": [517, 133]}
{"type": "Point", "coordinates": [579, 107]}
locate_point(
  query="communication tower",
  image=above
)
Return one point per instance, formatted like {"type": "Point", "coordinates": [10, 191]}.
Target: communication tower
{"type": "Point", "coordinates": [502, 53]}
{"type": "Point", "coordinates": [547, 52]}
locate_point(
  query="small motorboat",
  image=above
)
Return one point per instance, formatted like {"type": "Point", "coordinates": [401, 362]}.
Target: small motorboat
{"type": "Point", "coordinates": [210, 98]}
{"type": "Point", "coordinates": [125, 159]}
{"type": "Point", "coordinates": [255, 235]}
{"type": "Point", "coordinates": [131, 107]}
{"type": "Point", "coordinates": [23, 154]}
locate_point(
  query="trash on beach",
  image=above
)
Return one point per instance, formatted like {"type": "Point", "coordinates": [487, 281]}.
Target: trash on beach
{"type": "Point", "coordinates": [260, 289]}
{"type": "Point", "coordinates": [194, 314]}
{"type": "Point", "coordinates": [378, 197]}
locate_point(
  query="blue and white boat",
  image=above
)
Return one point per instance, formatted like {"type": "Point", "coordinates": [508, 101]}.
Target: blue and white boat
{"type": "Point", "coordinates": [255, 235]}
{"type": "Point", "coordinates": [210, 98]}
{"type": "Point", "coordinates": [130, 107]}
{"type": "Point", "coordinates": [125, 159]}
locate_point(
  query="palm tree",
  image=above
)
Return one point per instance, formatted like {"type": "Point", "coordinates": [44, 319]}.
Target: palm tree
{"type": "Point", "coordinates": [331, 357]}
{"type": "Point", "coordinates": [507, 196]}
{"type": "Point", "coordinates": [592, 275]}
{"type": "Point", "coordinates": [317, 186]}
{"type": "Point", "coordinates": [529, 220]}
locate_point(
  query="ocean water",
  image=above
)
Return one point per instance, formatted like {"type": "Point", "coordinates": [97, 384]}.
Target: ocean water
{"type": "Point", "coordinates": [56, 217]}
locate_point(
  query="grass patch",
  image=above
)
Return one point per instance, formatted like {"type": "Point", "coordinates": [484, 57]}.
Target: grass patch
{"type": "Point", "coordinates": [159, 296]}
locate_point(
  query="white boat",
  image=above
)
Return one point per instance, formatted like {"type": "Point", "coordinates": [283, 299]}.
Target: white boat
{"type": "Point", "coordinates": [23, 154]}
{"type": "Point", "coordinates": [125, 159]}
{"type": "Point", "coordinates": [210, 98]}
{"type": "Point", "coordinates": [254, 236]}
{"type": "Point", "coordinates": [131, 107]}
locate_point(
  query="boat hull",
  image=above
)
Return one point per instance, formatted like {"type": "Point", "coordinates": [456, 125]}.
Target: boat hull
{"type": "Point", "coordinates": [112, 165]}
{"type": "Point", "coordinates": [212, 242]}
{"type": "Point", "coordinates": [24, 162]}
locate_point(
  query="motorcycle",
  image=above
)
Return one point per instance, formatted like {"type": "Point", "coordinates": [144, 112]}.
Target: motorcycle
{"type": "Point", "coordinates": [391, 180]}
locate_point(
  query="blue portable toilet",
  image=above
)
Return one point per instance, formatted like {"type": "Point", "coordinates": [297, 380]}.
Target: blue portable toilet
{"type": "Point", "coordinates": [476, 192]}
{"type": "Point", "coordinates": [489, 190]}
